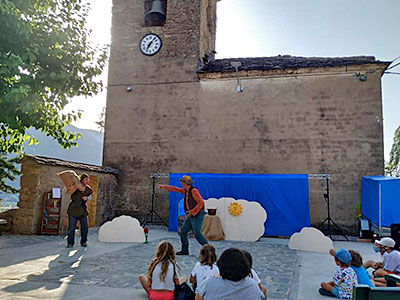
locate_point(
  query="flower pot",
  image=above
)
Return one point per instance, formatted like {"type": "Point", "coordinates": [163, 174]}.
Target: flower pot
{"type": "Point", "coordinates": [212, 211]}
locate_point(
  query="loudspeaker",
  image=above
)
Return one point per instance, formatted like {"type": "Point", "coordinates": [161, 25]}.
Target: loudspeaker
{"type": "Point", "coordinates": [365, 231]}
{"type": "Point", "coordinates": [395, 234]}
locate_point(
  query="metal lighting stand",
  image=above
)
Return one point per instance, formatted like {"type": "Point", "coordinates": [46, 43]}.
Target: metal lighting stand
{"type": "Point", "coordinates": [149, 217]}
{"type": "Point", "coordinates": [329, 219]}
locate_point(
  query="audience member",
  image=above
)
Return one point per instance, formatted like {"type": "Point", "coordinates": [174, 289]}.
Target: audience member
{"type": "Point", "coordinates": [390, 257]}
{"type": "Point", "coordinates": [357, 266]}
{"type": "Point", "coordinates": [234, 283]}
{"type": "Point", "coordinates": [159, 283]}
{"type": "Point", "coordinates": [344, 278]}
{"type": "Point", "coordinates": [253, 273]}
{"type": "Point", "coordinates": [206, 267]}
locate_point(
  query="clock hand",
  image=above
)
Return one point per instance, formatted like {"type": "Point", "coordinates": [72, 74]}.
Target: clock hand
{"type": "Point", "coordinates": [148, 46]}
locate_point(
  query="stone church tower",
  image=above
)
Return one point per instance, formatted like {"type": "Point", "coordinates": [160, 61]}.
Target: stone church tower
{"type": "Point", "coordinates": [148, 127]}
{"type": "Point", "coordinates": [172, 108]}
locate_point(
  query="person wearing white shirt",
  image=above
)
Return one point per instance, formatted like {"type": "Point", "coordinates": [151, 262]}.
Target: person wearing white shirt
{"type": "Point", "coordinates": [234, 283]}
{"type": "Point", "coordinates": [390, 257]}
{"type": "Point", "coordinates": [253, 273]}
{"type": "Point", "coordinates": [206, 267]}
{"type": "Point", "coordinates": [161, 277]}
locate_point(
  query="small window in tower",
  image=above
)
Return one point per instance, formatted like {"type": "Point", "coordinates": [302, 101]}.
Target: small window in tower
{"type": "Point", "coordinates": [155, 12]}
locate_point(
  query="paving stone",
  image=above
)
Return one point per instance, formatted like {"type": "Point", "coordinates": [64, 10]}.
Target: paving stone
{"type": "Point", "coordinates": [275, 263]}
{"type": "Point", "coordinates": [13, 241]}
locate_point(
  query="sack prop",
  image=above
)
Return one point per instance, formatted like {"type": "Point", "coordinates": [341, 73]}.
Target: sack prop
{"type": "Point", "coordinates": [71, 181]}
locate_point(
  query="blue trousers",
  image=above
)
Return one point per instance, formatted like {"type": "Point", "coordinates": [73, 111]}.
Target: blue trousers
{"type": "Point", "coordinates": [194, 224]}
{"type": "Point", "coordinates": [72, 221]}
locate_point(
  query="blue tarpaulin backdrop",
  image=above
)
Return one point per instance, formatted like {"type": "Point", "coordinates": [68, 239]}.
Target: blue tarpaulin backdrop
{"type": "Point", "coordinates": [284, 197]}
{"type": "Point", "coordinates": [390, 199]}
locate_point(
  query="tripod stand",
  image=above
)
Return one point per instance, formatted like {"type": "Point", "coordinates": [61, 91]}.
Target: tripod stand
{"type": "Point", "coordinates": [329, 219]}
{"type": "Point", "coordinates": [152, 210]}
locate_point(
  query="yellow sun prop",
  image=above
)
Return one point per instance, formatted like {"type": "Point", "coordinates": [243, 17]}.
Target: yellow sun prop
{"type": "Point", "coordinates": [235, 208]}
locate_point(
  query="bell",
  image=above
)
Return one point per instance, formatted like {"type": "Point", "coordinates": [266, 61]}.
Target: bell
{"type": "Point", "coordinates": [156, 16]}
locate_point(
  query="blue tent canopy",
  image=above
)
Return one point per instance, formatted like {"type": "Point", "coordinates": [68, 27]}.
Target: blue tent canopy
{"type": "Point", "coordinates": [380, 199]}
{"type": "Point", "coordinates": [283, 196]}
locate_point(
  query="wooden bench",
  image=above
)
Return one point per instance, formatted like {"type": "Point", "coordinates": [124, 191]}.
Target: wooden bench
{"type": "Point", "coordinates": [392, 280]}
{"type": "Point", "coordinates": [2, 222]}
{"type": "Point", "coordinates": [364, 292]}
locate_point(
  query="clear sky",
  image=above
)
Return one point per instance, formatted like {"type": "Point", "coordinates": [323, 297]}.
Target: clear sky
{"type": "Point", "coordinates": [254, 28]}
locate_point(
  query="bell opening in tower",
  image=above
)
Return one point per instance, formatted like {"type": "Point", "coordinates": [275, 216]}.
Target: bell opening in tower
{"type": "Point", "coordinates": [155, 12]}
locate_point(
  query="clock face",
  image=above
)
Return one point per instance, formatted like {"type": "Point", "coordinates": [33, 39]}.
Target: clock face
{"type": "Point", "coordinates": [150, 44]}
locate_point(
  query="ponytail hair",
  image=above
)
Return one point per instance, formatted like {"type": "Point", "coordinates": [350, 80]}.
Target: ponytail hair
{"type": "Point", "coordinates": [207, 255]}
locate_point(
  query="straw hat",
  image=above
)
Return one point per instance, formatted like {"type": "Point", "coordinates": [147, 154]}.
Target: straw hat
{"type": "Point", "coordinates": [187, 179]}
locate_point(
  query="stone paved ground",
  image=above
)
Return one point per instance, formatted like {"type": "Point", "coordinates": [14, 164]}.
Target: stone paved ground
{"type": "Point", "coordinates": [119, 265]}
{"type": "Point", "coordinates": [15, 241]}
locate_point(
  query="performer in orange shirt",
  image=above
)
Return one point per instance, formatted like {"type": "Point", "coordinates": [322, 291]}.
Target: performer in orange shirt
{"type": "Point", "coordinates": [194, 208]}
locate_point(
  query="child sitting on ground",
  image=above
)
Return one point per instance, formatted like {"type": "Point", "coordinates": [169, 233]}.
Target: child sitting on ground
{"type": "Point", "coordinates": [206, 267]}
{"type": "Point", "coordinates": [234, 283]}
{"type": "Point", "coordinates": [253, 273]}
{"type": "Point", "coordinates": [390, 256]}
{"type": "Point", "coordinates": [357, 266]}
{"type": "Point", "coordinates": [344, 278]}
{"type": "Point", "coordinates": [159, 283]}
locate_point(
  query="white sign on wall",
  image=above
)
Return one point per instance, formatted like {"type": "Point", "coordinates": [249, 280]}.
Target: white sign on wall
{"type": "Point", "coordinates": [56, 193]}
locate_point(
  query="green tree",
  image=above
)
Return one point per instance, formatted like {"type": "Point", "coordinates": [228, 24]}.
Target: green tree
{"type": "Point", "coordinates": [46, 58]}
{"type": "Point", "coordinates": [101, 123]}
{"type": "Point", "coordinates": [393, 166]}
{"type": "Point", "coordinates": [8, 171]}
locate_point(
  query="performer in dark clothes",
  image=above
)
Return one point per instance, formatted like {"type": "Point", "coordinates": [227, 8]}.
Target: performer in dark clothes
{"type": "Point", "coordinates": [77, 211]}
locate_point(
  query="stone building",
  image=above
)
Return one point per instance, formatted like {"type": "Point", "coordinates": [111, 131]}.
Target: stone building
{"type": "Point", "coordinates": [39, 176]}
{"type": "Point", "coordinates": [172, 108]}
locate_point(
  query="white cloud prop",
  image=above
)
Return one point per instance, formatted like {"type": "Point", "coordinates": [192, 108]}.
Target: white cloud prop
{"type": "Point", "coordinates": [248, 226]}
{"type": "Point", "coordinates": [123, 229]}
{"type": "Point", "coordinates": [310, 239]}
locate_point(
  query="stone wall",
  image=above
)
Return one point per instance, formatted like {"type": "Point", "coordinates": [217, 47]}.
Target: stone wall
{"type": "Point", "coordinates": [38, 179]}
{"type": "Point", "coordinates": [327, 122]}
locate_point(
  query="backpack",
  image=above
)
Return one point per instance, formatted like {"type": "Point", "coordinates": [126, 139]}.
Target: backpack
{"type": "Point", "coordinates": [183, 292]}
